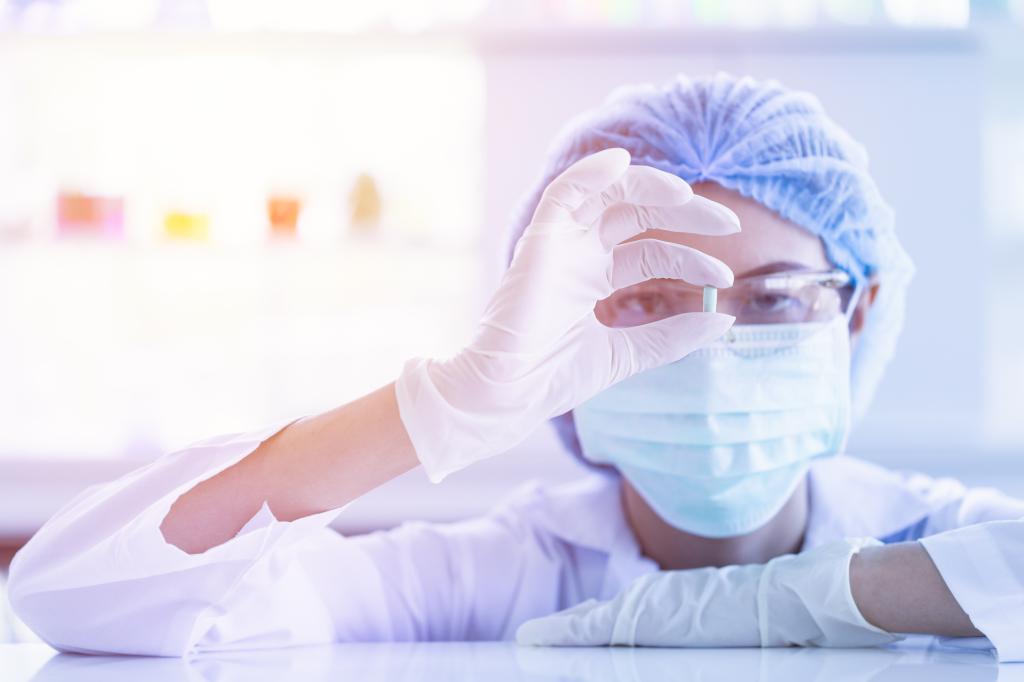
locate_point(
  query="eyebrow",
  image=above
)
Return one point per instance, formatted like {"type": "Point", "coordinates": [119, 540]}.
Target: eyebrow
{"type": "Point", "coordinates": [771, 268]}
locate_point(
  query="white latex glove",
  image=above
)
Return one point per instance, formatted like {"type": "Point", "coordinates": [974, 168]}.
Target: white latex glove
{"type": "Point", "coordinates": [539, 349]}
{"type": "Point", "coordinates": [796, 599]}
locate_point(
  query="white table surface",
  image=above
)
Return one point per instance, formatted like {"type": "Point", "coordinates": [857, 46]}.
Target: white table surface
{"type": "Point", "coordinates": [919, 659]}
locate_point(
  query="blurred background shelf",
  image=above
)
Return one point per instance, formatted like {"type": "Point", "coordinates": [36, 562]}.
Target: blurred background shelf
{"type": "Point", "coordinates": [193, 115]}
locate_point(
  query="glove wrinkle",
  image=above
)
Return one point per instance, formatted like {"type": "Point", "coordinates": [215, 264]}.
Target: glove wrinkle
{"type": "Point", "coordinates": [796, 599]}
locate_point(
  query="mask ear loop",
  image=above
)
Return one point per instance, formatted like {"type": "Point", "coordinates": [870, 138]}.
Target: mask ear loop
{"type": "Point", "coordinates": [858, 289]}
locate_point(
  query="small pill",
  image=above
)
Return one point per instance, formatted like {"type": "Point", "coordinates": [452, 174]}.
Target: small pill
{"type": "Point", "coordinates": [710, 299]}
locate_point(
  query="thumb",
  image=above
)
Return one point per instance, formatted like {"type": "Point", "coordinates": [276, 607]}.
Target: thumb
{"type": "Point", "coordinates": [659, 343]}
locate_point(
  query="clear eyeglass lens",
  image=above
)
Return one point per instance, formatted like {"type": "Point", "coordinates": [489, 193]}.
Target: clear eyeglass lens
{"type": "Point", "coordinates": [771, 299]}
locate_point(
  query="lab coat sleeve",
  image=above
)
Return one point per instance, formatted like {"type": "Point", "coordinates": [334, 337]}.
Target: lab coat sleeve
{"type": "Point", "coordinates": [975, 537]}
{"type": "Point", "coordinates": [99, 577]}
{"type": "Point", "coordinates": [983, 566]}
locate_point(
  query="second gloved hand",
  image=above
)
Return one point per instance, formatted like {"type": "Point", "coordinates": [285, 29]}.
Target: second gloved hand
{"type": "Point", "coordinates": [540, 350]}
{"type": "Point", "coordinates": [796, 599]}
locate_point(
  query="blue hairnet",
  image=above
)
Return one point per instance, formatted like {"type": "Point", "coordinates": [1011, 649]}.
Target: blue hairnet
{"type": "Point", "coordinates": [776, 146]}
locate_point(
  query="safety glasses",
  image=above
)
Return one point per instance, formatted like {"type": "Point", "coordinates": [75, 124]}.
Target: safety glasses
{"type": "Point", "coordinates": [775, 298]}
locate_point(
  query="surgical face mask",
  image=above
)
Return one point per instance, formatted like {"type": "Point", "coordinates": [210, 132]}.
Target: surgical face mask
{"type": "Point", "coordinates": [717, 442]}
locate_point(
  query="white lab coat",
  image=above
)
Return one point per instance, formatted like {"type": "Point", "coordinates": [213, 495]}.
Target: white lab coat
{"type": "Point", "coordinates": [99, 577]}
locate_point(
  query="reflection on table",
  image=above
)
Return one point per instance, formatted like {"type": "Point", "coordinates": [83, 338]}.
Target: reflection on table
{"type": "Point", "coordinates": [917, 659]}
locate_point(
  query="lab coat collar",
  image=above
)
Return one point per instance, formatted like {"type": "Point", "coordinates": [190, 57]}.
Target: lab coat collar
{"type": "Point", "coordinates": [850, 497]}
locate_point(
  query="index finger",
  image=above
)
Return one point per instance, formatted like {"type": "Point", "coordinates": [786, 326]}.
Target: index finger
{"type": "Point", "coordinates": [699, 215]}
{"type": "Point", "coordinates": [644, 259]}
{"type": "Point", "coordinates": [641, 185]}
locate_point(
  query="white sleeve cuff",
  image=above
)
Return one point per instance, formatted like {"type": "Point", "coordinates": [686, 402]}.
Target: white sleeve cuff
{"type": "Point", "coordinates": [981, 566]}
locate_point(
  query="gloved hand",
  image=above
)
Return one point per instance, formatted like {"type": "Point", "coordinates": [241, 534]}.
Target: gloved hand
{"type": "Point", "coordinates": [539, 350]}
{"type": "Point", "coordinates": [796, 599]}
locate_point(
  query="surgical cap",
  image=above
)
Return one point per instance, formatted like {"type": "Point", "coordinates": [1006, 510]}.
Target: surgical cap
{"type": "Point", "coordinates": [771, 144]}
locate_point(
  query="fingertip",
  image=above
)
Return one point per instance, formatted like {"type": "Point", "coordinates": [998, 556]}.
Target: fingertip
{"type": "Point", "coordinates": [720, 323]}
{"type": "Point", "coordinates": [703, 270]}
{"type": "Point", "coordinates": [726, 221]}
{"type": "Point", "coordinates": [730, 216]}
{"type": "Point", "coordinates": [711, 327]}
{"type": "Point", "coordinates": [729, 319]}
{"type": "Point", "coordinates": [615, 157]}
{"type": "Point", "coordinates": [527, 635]}
{"type": "Point", "coordinates": [604, 167]}
{"type": "Point", "coordinates": [622, 153]}
{"type": "Point", "coordinates": [719, 274]}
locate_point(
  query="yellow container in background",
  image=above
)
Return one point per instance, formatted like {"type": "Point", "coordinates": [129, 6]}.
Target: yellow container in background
{"type": "Point", "coordinates": [179, 225]}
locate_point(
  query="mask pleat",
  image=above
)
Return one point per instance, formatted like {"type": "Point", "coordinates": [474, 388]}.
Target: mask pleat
{"type": "Point", "coordinates": [730, 424]}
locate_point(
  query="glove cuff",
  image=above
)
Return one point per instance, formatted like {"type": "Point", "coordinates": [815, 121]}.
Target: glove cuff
{"type": "Point", "coordinates": [451, 427]}
{"type": "Point", "coordinates": [805, 600]}
{"type": "Point", "coordinates": [421, 408]}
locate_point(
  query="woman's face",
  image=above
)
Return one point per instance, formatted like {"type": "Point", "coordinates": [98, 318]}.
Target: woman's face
{"type": "Point", "coordinates": [767, 244]}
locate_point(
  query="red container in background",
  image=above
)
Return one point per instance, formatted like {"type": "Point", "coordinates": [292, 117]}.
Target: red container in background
{"type": "Point", "coordinates": [89, 215]}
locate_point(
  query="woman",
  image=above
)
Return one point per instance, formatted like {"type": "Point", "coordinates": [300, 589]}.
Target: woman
{"type": "Point", "coordinates": [715, 515]}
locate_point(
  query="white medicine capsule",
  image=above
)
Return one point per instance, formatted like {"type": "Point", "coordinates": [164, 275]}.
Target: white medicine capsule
{"type": "Point", "coordinates": [710, 299]}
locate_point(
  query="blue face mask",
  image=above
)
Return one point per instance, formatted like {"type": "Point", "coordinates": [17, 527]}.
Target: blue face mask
{"type": "Point", "coordinates": [717, 442]}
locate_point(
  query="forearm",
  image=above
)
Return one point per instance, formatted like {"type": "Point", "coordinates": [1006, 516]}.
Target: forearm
{"type": "Point", "coordinates": [313, 465]}
{"type": "Point", "coordinates": [897, 588]}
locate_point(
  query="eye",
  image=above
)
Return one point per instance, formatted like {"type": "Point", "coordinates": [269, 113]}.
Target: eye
{"type": "Point", "coordinates": [772, 303]}
{"type": "Point", "coordinates": [772, 307]}
{"type": "Point", "coordinates": [641, 303]}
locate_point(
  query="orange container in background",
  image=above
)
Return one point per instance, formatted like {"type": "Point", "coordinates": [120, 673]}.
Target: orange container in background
{"type": "Point", "coordinates": [90, 215]}
{"type": "Point", "coordinates": [283, 213]}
